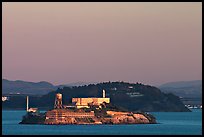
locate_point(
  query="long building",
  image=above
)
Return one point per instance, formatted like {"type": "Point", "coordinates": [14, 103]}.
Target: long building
{"type": "Point", "coordinates": [64, 116]}
{"type": "Point", "coordinates": [84, 102]}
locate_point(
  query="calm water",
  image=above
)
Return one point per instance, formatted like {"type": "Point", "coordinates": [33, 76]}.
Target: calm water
{"type": "Point", "coordinates": [171, 123]}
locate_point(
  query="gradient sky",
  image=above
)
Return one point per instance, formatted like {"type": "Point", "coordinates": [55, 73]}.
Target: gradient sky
{"type": "Point", "coordinates": [152, 43]}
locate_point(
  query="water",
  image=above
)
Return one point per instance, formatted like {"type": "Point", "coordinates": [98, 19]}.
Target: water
{"type": "Point", "coordinates": [171, 123]}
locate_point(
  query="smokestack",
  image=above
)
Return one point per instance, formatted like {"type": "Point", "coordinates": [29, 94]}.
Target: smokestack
{"type": "Point", "coordinates": [104, 93]}
{"type": "Point", "coordinates": [27, 101]}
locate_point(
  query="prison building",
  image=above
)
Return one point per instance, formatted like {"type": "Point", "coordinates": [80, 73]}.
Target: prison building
{"type": "Point", "coordinates": [85, 102]}
{"type": "Point", "coordinates": [65, 116]}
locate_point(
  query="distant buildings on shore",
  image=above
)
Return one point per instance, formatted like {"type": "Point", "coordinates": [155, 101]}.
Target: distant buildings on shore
{"type": "Point", "coordinates": [4, 98]}
{"type": "Point", "coordinates": [194, 106]}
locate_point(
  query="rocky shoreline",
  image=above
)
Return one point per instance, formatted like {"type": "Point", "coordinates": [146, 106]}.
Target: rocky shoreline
{"type": "Point", "coordinates": [111, 117]}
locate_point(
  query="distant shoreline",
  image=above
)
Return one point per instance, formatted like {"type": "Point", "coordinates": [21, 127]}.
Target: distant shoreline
{"type": "Point", "coordinates": [22, 109]}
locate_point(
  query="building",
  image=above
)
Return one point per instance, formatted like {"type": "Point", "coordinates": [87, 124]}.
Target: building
{"type": "Point", "coordinates": [61, 114]}
{"type": "Point", "coordinates": [32, 110]}
{"type": "Point", "coordinates": [65, 116]}
{"type": "Point", "coordinates": [86, 102]}
{"type": "Point", "coordinates": [5, 98]}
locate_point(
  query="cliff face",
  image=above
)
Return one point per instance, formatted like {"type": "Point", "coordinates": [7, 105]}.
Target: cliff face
{"type": "Point", "coordinates": [126, 119]}
{"type": "Point", "coordinates": [33, 118]}
{"type": "Point", "coordinates": [112, 119]}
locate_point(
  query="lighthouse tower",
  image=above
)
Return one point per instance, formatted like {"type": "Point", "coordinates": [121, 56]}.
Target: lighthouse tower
{"type": "Point", "coordinates": [58, 101]}
{"type": "Point", "coordinates": [104, 93]}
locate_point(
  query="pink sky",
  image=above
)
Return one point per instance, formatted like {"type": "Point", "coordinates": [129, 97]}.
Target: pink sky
{"type": "Point", "coordinates": [152, 43]}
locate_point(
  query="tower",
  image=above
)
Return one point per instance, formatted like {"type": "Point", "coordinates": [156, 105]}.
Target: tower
{"type": "Point", "coordinates": [58, 101]}
{"type": "Point", "coordinates": [27, 101]}
{"type": "Point", "coordinates": [104, 93]}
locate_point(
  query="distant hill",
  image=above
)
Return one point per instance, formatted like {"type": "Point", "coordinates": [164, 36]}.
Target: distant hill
{"type": "Point", "coordinates": [185, 89]}
{"type": "Point", "coordinates": [34, 88]}
{"type": "Point", "coordinates": [76, 84]}
{"type": "Point", "coordinates": [24, 87]}
{"type": "Point", "coordinates": [131, 97]}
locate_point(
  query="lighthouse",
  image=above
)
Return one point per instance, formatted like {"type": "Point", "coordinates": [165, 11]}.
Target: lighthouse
{"type": "Point", "coordinates": [104, 93]}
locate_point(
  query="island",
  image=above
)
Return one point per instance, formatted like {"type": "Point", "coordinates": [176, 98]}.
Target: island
{"type": "Point", "coordinates": [90, 110]}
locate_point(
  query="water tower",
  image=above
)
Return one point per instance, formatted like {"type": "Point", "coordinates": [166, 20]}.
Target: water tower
{"type": "Point", "coordinates": [58, 101]}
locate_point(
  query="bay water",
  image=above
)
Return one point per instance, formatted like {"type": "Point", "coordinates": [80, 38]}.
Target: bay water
{"type": "Point", "coordinates": [169, 123]}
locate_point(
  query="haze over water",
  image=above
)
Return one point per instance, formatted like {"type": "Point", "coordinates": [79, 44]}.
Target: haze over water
{"type": "Point", "coordinates": [152, 43]}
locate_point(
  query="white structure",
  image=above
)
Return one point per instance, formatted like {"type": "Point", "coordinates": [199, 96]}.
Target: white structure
{"type": "Point", "coordinates": [27, 106]}
{"type": "Point", "coordinates": [32, 109]}
{"type": "Point", "coordinates": [104, 93]}
{"type": "Point", "coordinates": [27, 100]}
{"type": "Point", "coordinates": [130, 87]}
{"type": "Point", "coordinates": [86, 102]}
{"type": "Point", "coordinates": [4, 98]}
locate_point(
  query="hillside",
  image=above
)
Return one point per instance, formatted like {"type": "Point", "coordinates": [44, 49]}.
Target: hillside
{"type": "Point", "coordinates": [24, 87]}
{"type": "Point", "coordinates": [184, 89]}
{"type": "Point", "coordinates": [76, 84]}
{"type": "Point", "coordinates": [131, 97]}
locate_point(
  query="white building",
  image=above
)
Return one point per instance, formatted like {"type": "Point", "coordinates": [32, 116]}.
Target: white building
{"type": "Point", "coordinates": [5, 98]}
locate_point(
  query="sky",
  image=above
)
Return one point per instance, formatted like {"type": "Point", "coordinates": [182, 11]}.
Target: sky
{"type": "Point", "coordinates": [151, 43]}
